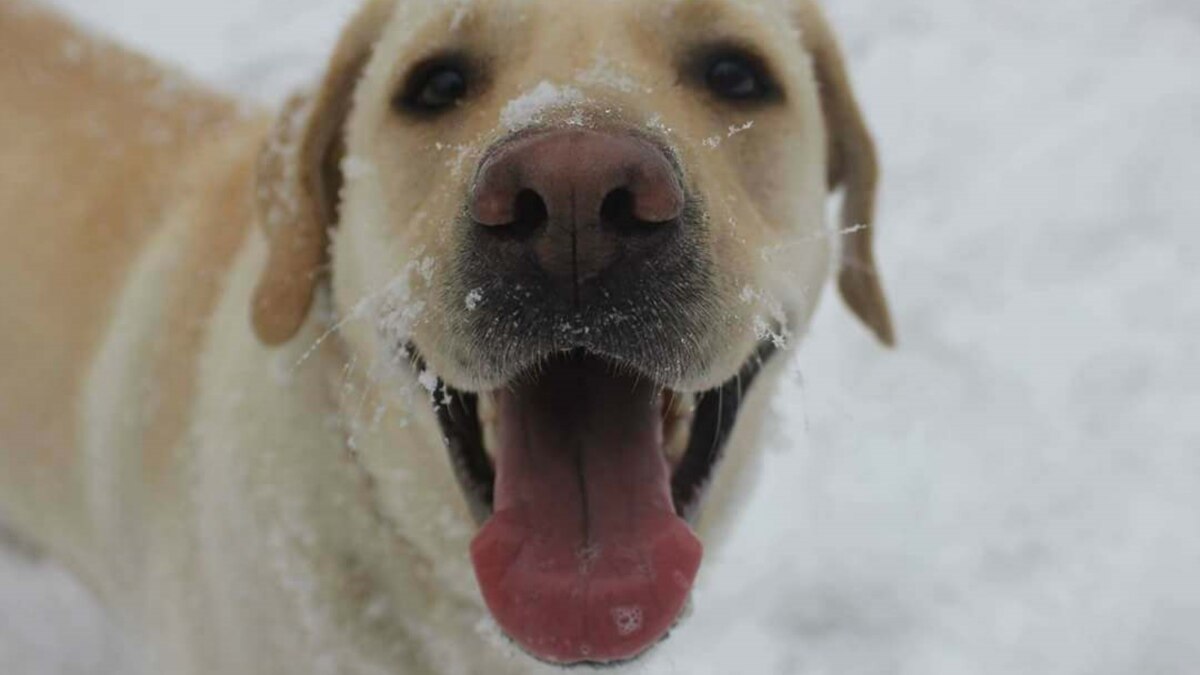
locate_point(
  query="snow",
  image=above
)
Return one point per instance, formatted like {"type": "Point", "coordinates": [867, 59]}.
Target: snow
{"type": "Point", "coordinates": [474, 299]}
{"type": "Point", "coordinates": [1012, 491]}
{"type": "Point", "coordinates": [736, 129]}
{"type": "Point", "coordinates": [429, 381]}
{"type": "Point", "coordinates": [628, 620]}
{"type": "Point", "coordinates": [605, 73]}
{"type": "Point", "coordinates": [529, 108]}
{"type": "Point", "coordinates": [50, 626]}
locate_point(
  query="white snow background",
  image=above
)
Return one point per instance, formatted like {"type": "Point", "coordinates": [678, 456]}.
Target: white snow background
{"type": "Point", "coordinates": [1015, 490]}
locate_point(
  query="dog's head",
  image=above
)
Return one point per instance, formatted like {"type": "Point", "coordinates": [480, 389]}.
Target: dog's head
{"type": "Point", "coordinates": [587, 225]}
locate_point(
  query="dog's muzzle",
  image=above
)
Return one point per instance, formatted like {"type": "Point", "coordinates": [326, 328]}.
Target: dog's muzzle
{"type": "Point", "coordinates": [582, 239]}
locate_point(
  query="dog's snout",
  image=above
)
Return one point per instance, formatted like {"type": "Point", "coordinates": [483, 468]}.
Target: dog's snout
{"type": "Point", "coordinates": [580, 196]}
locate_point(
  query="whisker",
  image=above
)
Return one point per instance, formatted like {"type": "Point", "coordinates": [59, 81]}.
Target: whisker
{"type": "Point", "coordinates": [358, 311]}
{"type": "Point", "coordinates": [808, 239]}
{"type": "Point", "coordinates": [312, 349]}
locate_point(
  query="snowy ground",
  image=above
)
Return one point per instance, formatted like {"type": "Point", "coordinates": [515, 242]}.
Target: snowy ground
{"type": "Point", "coordinates": [1017, 489]}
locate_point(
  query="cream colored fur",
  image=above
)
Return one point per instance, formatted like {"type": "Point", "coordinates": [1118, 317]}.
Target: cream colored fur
{"type": "Point", "coordinates": [205, 414]}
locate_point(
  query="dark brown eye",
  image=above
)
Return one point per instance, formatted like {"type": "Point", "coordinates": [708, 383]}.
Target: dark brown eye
{"type": "Point", "coordinates": [435, 87]}
{"type": "Point", "coordinates": [737, 78]}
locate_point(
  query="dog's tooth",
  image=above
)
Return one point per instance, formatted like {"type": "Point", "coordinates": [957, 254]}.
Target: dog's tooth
{"type": "Point", "coordinates": [677, 427]}
{"type": "Point", "coordinates": [490, 438]}
{"type": "Point", "coordinates": [680, 405]}
{"type": "Point", "coordinates": [676, 444]}
{"type": "Point", "coordinates": [486, 409]}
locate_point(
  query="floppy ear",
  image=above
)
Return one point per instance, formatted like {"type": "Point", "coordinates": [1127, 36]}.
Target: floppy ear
{"type": "Point", "coordinates": [853, 166]}
{"type": "Point", "coordinates": [299, 178]}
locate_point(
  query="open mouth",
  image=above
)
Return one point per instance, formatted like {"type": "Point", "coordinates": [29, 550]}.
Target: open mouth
{"type": "Point", "coordinates": [585, 477]}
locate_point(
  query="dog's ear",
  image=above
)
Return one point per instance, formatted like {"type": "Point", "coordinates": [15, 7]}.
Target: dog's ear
{"type": "Point", "coordinates": [854, 167]}
{"type": "Point", "coordinates": [299, 178]}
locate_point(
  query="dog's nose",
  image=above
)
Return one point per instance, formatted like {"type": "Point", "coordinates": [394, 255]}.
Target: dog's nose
{"type": "Point", "coordinates": [578, 197]}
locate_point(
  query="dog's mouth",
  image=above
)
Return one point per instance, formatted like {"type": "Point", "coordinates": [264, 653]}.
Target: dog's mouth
{"type": "Point", "coordinates": [585, 477]}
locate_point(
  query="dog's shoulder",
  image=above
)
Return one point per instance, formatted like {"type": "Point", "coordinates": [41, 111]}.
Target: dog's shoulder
{"type": "Point", "coordinates": [103, 153]}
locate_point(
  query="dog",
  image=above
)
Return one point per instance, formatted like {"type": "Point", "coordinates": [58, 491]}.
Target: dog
{"type": "Point", "coordinates": [449, 367]}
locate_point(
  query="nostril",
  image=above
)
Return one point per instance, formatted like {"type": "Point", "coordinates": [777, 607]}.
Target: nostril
{"type": "Point", "coordinates": [619, 211]}
{"type": "Point", "coordinates": [529, 213]}
{"type": "Point", "coordinates": [618, 208]}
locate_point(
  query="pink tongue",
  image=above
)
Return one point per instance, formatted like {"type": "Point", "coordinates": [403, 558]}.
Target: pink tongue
{"type": "Point", "coordinates": [584, 559]}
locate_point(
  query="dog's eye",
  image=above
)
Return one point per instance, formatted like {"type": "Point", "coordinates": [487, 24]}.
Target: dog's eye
{"type": "Point", "coordinates": [441, 89]}
{"type": "Point", "coordinates": [435, 87]}
{"type": "Point", "coordinates": [736, 78]}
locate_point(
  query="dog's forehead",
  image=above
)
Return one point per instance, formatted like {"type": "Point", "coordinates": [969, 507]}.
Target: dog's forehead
{"type": "Point", "coordinates": [596, 20]}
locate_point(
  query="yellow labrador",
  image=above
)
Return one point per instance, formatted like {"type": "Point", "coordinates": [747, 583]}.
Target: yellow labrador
{"type": "Point", "coordinates": [474, 329]}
